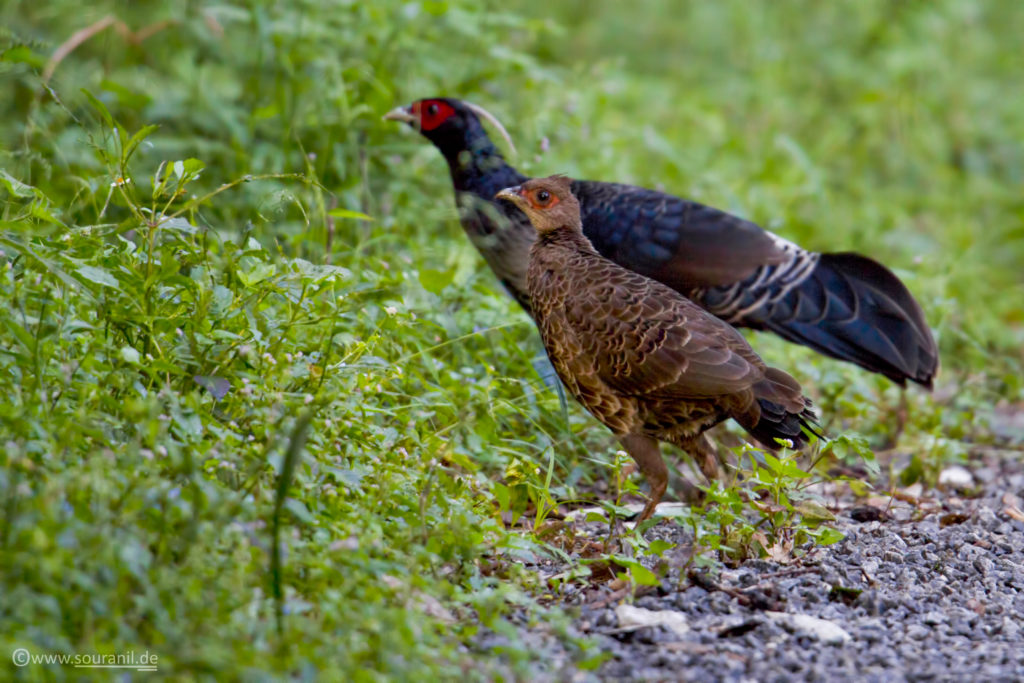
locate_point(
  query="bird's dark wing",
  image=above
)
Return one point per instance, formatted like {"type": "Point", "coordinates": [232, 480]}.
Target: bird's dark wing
{"type": "Point", "coordinates": [842, 305]}
{"type": "Point", "coordinates": [681, 243]}
{"type": "Point", "coordinates": [646, 340]}
{"type": "Point", "coordinates": [848, 307]}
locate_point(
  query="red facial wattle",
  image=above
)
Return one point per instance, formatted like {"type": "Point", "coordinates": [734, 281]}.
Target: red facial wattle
{"type": "Point", "coordinates": [432, 113]}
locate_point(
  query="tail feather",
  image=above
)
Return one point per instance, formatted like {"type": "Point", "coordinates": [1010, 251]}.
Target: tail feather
{"type": "Point", "coordinates": [783, 412]}
{"type": "Point", "coordinates": [853, 308]}
{"type": "Point", "coordinates": [778, 423]}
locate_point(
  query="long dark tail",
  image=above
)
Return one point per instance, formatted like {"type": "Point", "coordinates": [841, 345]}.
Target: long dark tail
{"type": "Point", "coordinates": [853, 308]}
{"type": "Point", "coordinates": [785, 413]}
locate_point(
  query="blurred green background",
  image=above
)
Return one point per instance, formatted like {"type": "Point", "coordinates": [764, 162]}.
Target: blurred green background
{"type": "Point", "coordinates": [137, 500]}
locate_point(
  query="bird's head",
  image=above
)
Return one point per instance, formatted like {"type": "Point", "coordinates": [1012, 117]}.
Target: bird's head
{"type": "Point", "coordinates": [450, 124]}
{"type": "Point", "coordinates": [548, 202]}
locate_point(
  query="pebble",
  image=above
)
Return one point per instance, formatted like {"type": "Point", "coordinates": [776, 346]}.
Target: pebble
{"type": "Point", "coordinates": [933, 601]}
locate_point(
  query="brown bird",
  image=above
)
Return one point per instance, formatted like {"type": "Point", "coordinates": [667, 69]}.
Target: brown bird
{"type": "Point", "coordinates": [648, 363]}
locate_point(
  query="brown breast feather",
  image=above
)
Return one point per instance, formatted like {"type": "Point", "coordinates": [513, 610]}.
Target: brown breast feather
{"type": "Point", "coordinates": [635, 353]}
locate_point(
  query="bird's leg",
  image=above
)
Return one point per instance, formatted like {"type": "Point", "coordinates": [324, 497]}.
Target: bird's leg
{"type": "Point", "coordinates": [686, 490]}
{"type": "Point", "coordinates": [647, 454]}
{"type": "Point", "coordinates": [902, 415]}
{"type": "Point", "coordinates": [898, 422]}
{"type": "Point", "coordinates": [705, 455]}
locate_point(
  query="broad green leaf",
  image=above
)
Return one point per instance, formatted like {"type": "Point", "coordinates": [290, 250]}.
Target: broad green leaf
{"type": "Point", "coordinates": [828, 536]}
{"type": "Point", "coordinates": [642, 575]}
{"type": "Point", "coordinates": [130, 355]}
{"type": "Point", "coordinates": [192, 167]}
{"type": "Point", "coordinates": [434, 281]}
{"type": "Point", "coordinates": [659, 546]}
{"type": "Point", "coordinates": [638, 573]}
{"type": "Point", "coordinates": [319, 272]}
{"type": "Point", "coordinates": [98, 275]}
{"type": "Point", "coordinates": [912, 472]}
{"type": "Point", "coordinates": [502, 495]}
{"type": "Point", "coordinates": [814, 512]}
{"type": "Point", "coordinates": [252, 270]}
{"type": "Point", "coordinates": [24, 55]}
{"type": "Point", "coordinates": [20, 333]}
{"type": "Point", "coordinates": [179, 224]}
{"type": "Point", "coordinates": [16, 187]}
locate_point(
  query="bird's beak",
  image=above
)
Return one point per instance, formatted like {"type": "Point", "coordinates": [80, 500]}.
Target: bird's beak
{"type": "Point", "coordinates": [512, 194]}
{"type": "Point", "coordinates": [403, 114]}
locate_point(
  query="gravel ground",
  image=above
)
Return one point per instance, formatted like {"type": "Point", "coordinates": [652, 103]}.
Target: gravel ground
{"type": "Point", "coordinates": [932, 591]}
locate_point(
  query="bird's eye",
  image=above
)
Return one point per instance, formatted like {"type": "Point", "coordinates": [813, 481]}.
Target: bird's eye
{"type": "Point", "coordinates": [543, 196]}
{"type": "Point", "coordinates": [432, 109]}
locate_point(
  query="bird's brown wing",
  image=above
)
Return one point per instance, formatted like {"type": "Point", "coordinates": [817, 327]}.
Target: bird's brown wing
{"type": "Point", "coordinates": [646, 340]}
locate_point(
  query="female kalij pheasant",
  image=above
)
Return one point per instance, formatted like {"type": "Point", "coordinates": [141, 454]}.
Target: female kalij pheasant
{"type": "Point", "coordinates": [643, 359]}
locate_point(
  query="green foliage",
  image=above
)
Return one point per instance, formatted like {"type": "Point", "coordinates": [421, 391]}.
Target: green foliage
{"type": "Point", "coordinates": [242, 323]}
{"type": "Point", "coordinates": [158, 380]}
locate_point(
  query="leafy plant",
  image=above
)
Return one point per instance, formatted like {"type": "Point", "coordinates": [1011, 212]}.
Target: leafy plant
{"type": "Point", "coordinates": [209, 237]}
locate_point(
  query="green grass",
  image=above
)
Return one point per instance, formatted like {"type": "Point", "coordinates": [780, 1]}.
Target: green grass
{"type": "Point", "coordinates": [177, 354]}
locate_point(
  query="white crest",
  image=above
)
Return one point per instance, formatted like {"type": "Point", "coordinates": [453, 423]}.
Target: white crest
{"type": "Point", "coordinates": [493, 120]}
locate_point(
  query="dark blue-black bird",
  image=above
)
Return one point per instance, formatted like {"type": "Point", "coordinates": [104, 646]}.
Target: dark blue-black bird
{"type": "Point", "coordinates": [843, 305]}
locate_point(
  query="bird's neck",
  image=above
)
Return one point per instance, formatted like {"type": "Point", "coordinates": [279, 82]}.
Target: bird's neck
{"type": "Point", "coordinates": [477, 165]}
{"type": "Point", "coordinates": [566, 237]}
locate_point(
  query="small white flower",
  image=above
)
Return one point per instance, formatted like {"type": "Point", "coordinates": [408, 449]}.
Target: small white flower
{"type": "Point", "coordinates": [308, 399]}
{"type": "Point", "coordinates": [390, 310]}
{"type": "Point", "coordinates": [120, 181]}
